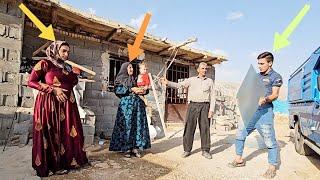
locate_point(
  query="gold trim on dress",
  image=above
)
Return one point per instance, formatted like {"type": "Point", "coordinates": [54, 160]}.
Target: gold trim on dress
{"type": "Point", "coordinates": [72, 99]}
{"type": "Point", "coordinates": [55, 155]}
{"type": "Point", "coordinates": [62, 150]}
{"type": "Point", "coordinates": [38, 161]}
{"type": "Point", "coordinates": [74, 163]}
{"type": "Point", "coordinates": [73, 132]}
{"type": "Point", "coordinates": [56, 81]}
{"type": "Point", "coordinates": [38, 125]}
{"type": "Point", "coordinates": [52, 106]}
{"type": "Point", "coordinates": [62, 115]}
{"type": "Point", "coordinates": [45, 143]}
{"type": "Point", "coordinates": [37, 67]}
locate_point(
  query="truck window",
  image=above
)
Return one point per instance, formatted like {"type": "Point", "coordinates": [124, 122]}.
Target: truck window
{"type": "Point", "coordinates": [317, 51]}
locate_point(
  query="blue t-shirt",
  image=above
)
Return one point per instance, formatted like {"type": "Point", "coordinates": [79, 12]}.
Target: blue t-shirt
{"type": "Point", "coordinates": [272, 79]}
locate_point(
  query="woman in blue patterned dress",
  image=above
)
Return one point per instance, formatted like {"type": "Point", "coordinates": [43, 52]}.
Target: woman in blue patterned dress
{"type": "Point", "coordinates": [130, 133]}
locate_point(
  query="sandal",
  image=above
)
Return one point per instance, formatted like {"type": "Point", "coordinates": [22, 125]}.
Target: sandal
{"type": "Point", "coordinates": [235, 164]}
{"type": "Point", "coordinates": [127, 154]}
{"type": "Point", "coordinates": [270, 174]}
{"type": "Point", "coordinates": [137, 153]}
{"type": "Point", "coordinates": [61, 172]}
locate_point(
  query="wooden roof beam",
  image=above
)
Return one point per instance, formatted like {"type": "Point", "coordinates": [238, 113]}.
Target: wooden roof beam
{"type": "Point", "coordinates": [198, 58]}
{"type": "Point", "coordinates": [110, 35]}
{"type": "Point", "coordinates": [163, 50]}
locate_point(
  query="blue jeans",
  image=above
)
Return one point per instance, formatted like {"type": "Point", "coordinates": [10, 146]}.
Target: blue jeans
{"type": "Point", "coordinates": [262, 120]}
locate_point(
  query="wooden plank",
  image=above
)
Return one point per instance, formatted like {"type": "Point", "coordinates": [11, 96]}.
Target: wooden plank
{"type": "Point", "coordinates": [158, 105]}
{"type": "Point", "coordinates": [41, 48]}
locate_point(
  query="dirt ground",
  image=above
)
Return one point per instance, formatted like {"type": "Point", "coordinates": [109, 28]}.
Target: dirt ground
{"type": "Point", "coordinates": [163, 160]}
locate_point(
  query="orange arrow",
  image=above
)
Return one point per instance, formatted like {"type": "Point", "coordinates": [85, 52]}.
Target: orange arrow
{"type": "Point", "coordinates": [134, 50]}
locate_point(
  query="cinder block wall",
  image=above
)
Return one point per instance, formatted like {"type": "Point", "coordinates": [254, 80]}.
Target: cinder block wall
{"type": "Point", "coordinates": [11, 27]}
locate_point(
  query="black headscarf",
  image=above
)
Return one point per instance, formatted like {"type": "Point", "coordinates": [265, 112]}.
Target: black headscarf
{"type": "Point", "coordinates": [123, 77]}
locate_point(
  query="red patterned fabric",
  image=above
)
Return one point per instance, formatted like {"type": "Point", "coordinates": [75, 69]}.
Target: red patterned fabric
{"type": "Point", "coordinates": [57, 130]}
{"type": "Point", "coordinates": [143, 80]}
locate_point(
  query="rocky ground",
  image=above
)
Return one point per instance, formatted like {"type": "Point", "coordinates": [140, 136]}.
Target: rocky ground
{"type": "Point", "coordinates": [163, 160]}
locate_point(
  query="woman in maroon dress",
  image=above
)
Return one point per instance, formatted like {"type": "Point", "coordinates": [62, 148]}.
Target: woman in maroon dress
{"type": "Point", "coordinates": [57, 130]}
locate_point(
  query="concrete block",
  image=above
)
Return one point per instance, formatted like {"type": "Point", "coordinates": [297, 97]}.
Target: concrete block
{"type": "Point", "coordinates": [23, 127]}
{"type": "Point", "coordinates": [110, 110]}
{"type": "Point", "coordinates": [25, 91]}
{"type": "Point", "coordinates": [88, 140]}
{"type": "Point", "coordinates": [27, 102]}
{"type": "Point", "coordinates": [9, 89]}
{"type": "Point", "coordinates": [7, 112]}
{"type": "Point", "coordinates": [10, 100]}
{"type": "Point", "coordinates": [106, 102]}
{"type": "Point", "coordinates": [10, 67]}
{"type": "Point", "coordinates": [96, 109]}
{"type": "Point", "coordinates": [13, 78]}
{"type": "Point", "coordinates": [94, 94]}
{"type": "Point", "coordinates": [96, 86]}
{"type": "Point", "coordinates": [88, 130]}
{"type": "Point", "coordinates": [91, 102]}
{"type": "Point", "coordinates": [2, 30]}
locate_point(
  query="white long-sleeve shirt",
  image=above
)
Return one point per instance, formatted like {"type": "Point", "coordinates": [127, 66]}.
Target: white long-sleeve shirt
{"type": "Point", "coordinates": [199, 89]}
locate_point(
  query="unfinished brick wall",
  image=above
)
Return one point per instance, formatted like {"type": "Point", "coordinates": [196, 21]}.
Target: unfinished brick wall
{"type": "Point", "coordinates": [11, 27]}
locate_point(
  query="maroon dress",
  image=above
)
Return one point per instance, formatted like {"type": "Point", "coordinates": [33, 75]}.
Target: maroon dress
{"type": "Point", "coordinates": [57, 131]}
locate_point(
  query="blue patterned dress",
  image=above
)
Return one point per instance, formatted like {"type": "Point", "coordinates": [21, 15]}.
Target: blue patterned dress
{"type": "Point", "coordinates": [131, 127]}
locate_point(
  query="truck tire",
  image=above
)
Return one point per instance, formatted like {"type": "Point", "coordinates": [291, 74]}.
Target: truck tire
{"type": "Point", "coordinates": [299, 144]}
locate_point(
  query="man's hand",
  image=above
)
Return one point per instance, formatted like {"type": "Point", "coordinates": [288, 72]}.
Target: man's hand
{"type": "Point", "coordinates": [210, 114]}
{"type": "Point", "coordinates": [164, 81]}
{"type": "Point", "coordinates": [262, 101]}
{"type": "Point", "coordinates": [58, 92]}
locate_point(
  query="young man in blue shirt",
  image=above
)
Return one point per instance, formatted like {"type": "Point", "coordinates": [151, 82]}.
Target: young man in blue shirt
{"type": "Point", "coordinates": [262, 120]}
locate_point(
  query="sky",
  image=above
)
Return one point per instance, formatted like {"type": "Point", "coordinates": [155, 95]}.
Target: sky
{"type": "Point", "coordinates": [237, 29]}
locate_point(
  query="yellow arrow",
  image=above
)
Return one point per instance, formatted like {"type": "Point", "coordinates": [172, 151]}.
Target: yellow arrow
{"type": "Point", "coordinates": [281, 40]}
{"type": "Point", "coordinates": [47, 32]}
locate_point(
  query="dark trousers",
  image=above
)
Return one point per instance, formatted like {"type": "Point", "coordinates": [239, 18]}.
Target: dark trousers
{"type": "Point", "coordinates": [197, 111]}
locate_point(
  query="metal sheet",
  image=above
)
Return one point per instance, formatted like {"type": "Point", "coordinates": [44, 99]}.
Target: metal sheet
{"type": "Point", "coordinates": [248, 95]}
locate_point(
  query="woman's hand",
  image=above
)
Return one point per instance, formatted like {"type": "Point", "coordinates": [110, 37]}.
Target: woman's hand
{"type": "Point", "coordinates": [58, 92]}
{"type": "Point", "coordinates": [137, 90]}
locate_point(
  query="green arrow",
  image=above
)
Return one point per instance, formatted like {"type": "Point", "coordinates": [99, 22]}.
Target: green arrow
{"type": "Point", "coordinates": [281, 40]}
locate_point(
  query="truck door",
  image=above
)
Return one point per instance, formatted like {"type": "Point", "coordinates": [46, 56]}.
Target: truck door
{"type": "Point", "coordinates": [314, 122]}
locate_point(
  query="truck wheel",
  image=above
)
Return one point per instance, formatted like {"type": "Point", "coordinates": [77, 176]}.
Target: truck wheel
{"type": "Point", "coordinates": [299, 144]}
